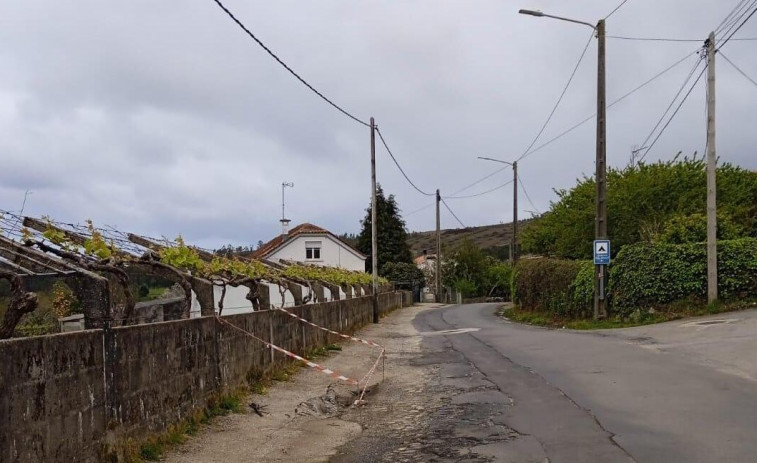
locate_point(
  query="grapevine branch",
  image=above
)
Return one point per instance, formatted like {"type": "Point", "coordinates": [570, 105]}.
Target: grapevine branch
{"type": "Point", "coordinates": [21, 303]}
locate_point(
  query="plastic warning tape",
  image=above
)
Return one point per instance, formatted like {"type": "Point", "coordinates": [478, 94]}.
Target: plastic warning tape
{"type": "Point", "coordinates": [345, 336]}
{"type": "Point", "coordinates": [307, 362]}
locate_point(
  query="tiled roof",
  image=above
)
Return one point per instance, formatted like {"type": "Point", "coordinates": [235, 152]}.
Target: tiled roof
{"type": "Point", "coordinates": [301, 229]}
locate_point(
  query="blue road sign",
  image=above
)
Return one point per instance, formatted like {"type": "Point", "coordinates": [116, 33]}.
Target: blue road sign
{"type": "Point", "coordinates": [601, 252]}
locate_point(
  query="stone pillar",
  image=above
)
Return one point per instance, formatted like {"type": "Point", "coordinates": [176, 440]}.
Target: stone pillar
{"type": "Point", "coordinates": [264, 296]}
{"type": "Point", "coordinates": [204, 292]}
{"type": "Point", "coordinates": [296, 291]}
{"type": "Point", "coordinates": [318, 292]}
{"type": "Point", "coordinates": [93, 293]}
{"type": "Point", "coordinates": [347, 291]}
{"type": "Point", "coordinates": [334, 289]}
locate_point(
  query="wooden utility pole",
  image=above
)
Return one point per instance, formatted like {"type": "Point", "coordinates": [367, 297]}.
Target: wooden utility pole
{"type": "Point", "coordinates": [712, 224]}
{"type": "Point", "coordinates": [514, 252]}
{"type": "Point", "coordinates": [438, 250]}
{"type": "Point", "coordinates": [600, 230]}
{"type": "Point", "coordinates": [374, 225]}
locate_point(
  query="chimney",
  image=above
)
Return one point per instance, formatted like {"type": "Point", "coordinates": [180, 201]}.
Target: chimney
{"type": "Point", "coordinates": [284, 227]}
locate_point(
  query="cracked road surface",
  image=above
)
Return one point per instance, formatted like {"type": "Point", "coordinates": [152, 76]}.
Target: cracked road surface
{"type": "Point", "coordinates": [513, 393]}
{"type": "Point", "coordinates": [464, 385]}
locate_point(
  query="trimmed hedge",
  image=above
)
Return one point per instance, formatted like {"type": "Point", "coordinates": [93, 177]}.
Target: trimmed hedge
{"type": "Point", "coordinates": [642, 276]}
{"type": "Point", "coordinates": [649, 275]}
{"type": "Point", "coordinates": [554, 286]}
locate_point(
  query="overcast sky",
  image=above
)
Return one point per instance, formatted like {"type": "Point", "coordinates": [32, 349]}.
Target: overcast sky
{"type": "Point", "coordinates": [162, 117]}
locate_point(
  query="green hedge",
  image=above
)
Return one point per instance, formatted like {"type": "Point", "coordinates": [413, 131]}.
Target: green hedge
{"type": "Point", "coordinates": [649, 275]}
{"type": "Point", "coordinates": [642, 276]}
{"type": "Point", "coordinates": [555, 286]}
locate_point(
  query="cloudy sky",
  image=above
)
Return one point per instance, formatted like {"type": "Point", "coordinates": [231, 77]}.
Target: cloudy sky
{"type": "Point", "coordinates": [162, 117]}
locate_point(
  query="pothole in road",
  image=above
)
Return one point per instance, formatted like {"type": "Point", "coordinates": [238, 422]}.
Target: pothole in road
{"type": "Point", "coordinates": [448, 332]}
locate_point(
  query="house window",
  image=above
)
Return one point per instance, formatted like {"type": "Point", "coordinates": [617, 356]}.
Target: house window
{"type": "Point", "coordinates": [312, 250]}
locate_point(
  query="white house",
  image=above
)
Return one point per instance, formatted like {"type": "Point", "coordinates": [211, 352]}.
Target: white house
{"type": "Point", "coordinates": [311, 244]}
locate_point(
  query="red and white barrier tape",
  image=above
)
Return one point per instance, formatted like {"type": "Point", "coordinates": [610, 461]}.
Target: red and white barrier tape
{"type": "Point", "coordinates": [307, 362]}
{"type": "Point", "coordinates": [345, 336]}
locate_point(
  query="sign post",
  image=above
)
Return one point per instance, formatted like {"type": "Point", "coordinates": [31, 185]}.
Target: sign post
{"type": "Point", "coordinates": [601, 258]}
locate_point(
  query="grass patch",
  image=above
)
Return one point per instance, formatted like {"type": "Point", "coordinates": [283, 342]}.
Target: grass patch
{"type": "Point", "coordinates": [675, 311]}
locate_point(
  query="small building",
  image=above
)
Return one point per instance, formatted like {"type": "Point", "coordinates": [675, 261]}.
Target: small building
{"type": "Point", "coordinates": [311, 244]}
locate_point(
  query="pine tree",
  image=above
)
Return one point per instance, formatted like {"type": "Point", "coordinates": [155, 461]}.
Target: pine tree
{"type": "Point", "coordinates": [392, 236]}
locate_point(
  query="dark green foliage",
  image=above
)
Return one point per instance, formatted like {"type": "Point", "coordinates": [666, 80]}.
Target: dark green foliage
{"type": "Point", "coordinates": [665, 276]}
{"type": "Point", "coordinates": [473, 273]}
{"type": "Point", "coordinates": [553, 286]}
{"type": "Point", "coordinates": [392, 236]}
{"type": "Point", "coordinates": [652, 275]}
{"type": "Point", "coordinates": [403, 274]}
{"type": "Point", "coordinates": [645, 203]}
{"type": "Point", "coordinates": [693, 229]}
{"type": "Point", "coordinates": [143, 291]}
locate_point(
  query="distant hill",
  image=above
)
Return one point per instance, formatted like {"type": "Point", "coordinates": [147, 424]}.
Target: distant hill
{"type": "Point", "coordinates": [493, 238]}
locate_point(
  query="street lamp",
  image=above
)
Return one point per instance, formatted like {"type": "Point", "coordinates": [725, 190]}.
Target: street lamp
{"type": "Point", "coordinates": [600, 225]}
{"type": "Point", "coordinates": [514, 253]}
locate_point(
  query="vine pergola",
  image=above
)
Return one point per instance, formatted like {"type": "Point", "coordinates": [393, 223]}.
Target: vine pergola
{"type": "Point", "coordinates": [98, 264]}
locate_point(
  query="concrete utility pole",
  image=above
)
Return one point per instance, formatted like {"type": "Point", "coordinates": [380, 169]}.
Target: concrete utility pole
{"type": "Point", "coordinates": [514, 241]}
{"type": "Point", "coordinates": [374, 225]}
{"type": "Point", "coordinates": [600, 280]}
{"type": "Point", "coordinates": [712, 218]}
{"type": "Point", "coordinates": [600, 226]}
{"type": "Point", "coordinates": [438, 250]}
{"type": "Point", "coordinates": [514, 255]}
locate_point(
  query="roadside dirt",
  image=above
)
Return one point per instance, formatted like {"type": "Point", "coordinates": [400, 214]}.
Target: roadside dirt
{"type": "Point", "coordinates": [305, 419]}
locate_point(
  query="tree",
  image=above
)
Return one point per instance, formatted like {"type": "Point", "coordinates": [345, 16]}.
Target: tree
{"type": "Point", "coordinates": [392, 236]}
{"type": "Point", "coordinates": [404, 275]}
{"type": "Point", "coordinates": [644, 202]}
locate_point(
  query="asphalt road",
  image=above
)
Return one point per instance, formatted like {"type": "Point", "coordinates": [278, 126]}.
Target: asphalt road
{"type": "Point", "coordinates": [683, 391]}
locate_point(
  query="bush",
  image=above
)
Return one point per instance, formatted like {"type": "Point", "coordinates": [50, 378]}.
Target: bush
{"type": "Point", "coordinates": [650, 275]}
{"type": "Point", "coordinates": [554, 286]}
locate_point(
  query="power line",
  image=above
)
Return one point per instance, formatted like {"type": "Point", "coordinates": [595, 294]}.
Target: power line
{"type": "Point", "coordinates": [291, 71]}
{"type": "Point", "coordinates": [730, 15]}
{"type": "Point", "coordinates": [674, 114]}
{"type": "Point", "coordinates": [480, 194]}
{"type": "Point", "coordinates": [670, 106]}
{"type": "Point", "coordinates": [616, 8]}
{"type": "Point", "coordinates": [653, 39]}
{"type": "Point", "coordinates": [559, 100]}
{"type": "Point", "coordinates": [734, 17]}
{"type": "Point", "coordinates": [649, 81]}
{"type": "Point", "coordinates": [740, 26]}
{"type": "Point", "coordinates": [453, 214]}
{"type": "Point", "coordinates": [421, 209]}
{"type": "Point", "coordinates": [480, 180]}
{"type": "Point", "coordinates": [400, 167]}
{"type": "Point", "coordinates": [665, 39]}
{"type": "Point", "coordinates": [738, 69]}
{"type": "Point", "coordinates": [523, 187]}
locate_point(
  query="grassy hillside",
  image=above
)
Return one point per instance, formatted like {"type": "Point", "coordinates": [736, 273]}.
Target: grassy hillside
{"type": "Point", "coordinates": [495, 238]}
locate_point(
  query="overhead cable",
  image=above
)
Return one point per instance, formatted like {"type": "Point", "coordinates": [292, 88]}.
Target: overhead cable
{"type": "Point", "coordinates": [453, 214]}
{"type": "Point", "coordinates": [291, 71]}
{"type": "Point", "coordinates": [381, 137]}
{"type": "Point", "coordinates": [733, 18]}
{"type": "Point", "coordinates": [739, 27]}
{"type": "Point", "coordinates": [480, 194]}
{"type": "Point", "coordinates": [673, 115]}
{"type": "Point", "coordinates": [738, 69]}
{"type": "Point", "coordinates": [559, 100]}
{"type": "Point", "coordinates": [672, 103]}
{"type": "Point", "coordinates": [584, 121]}
{"type": "Point", "coordinates": [616, 8]}
{"type": "Point", "coordinates": [665, 39]}
{"type": "Point", "coordinates": [523, 187]}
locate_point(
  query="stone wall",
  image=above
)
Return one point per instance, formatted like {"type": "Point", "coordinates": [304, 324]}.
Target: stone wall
{"type": "Point", "coordinates": [59, 394]}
